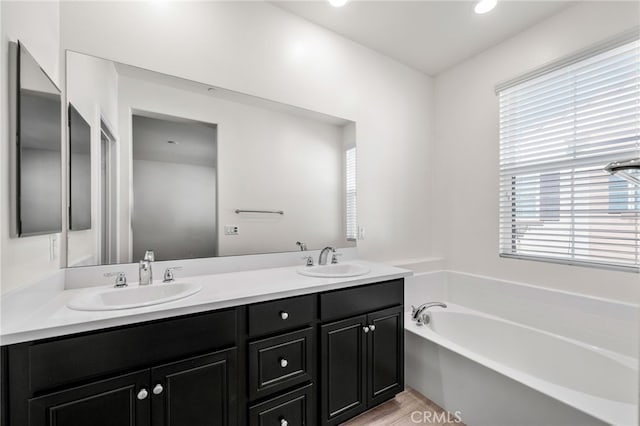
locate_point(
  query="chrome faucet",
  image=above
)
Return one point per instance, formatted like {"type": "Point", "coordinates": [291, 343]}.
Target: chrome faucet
{"type": "Point", "coordinates": [121, 280]}
{"type": "Point", "coordinates": [169, 276]}
{"type": "Point", "coordinates": [145, 271]}
{"type": "Point", "coordinates": [324, 254]}
{"type": "Point", "coordinates": [416, 313]}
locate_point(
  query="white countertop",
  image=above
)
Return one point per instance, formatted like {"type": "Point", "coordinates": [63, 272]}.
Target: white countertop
{"type": "Point", "coordinates": [53, 318]}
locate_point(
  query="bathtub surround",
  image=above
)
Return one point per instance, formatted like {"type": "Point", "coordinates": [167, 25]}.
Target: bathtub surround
{"type": "Point", "coordinates": [505, 382]}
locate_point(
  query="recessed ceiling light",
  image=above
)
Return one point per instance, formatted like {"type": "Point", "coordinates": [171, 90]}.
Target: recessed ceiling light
{"type": "Point", "coordinates": [338, 3]}
{"type": "Point", "coordinates": [172, 142]}
{"type": "Point", "coordinates": [484, 6]}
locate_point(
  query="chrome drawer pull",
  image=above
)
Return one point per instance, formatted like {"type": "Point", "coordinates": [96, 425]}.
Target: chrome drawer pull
{"type": "Point", "coordinates": [365, 329]}
{"type": "Point", "coordinates": [284, 422]}
{"type": "Point", "coordinates": [283, 362]}
{"type": "Point", "coordinates": [158, 389]}
{"type": "Point", "coordinates": [372, 327]}
{"type": "Point", "coordinates": [143, 394]}
{"type": "Point", "coordinates": [284, 315]}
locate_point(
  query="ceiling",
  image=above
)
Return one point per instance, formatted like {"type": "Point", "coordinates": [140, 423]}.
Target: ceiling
{"type": "Point", "coordinates": [195, 143]}
{"type": "Point", "coordinates": [142, 74]}
{"type": "Point", "coordinates": [430, 36]}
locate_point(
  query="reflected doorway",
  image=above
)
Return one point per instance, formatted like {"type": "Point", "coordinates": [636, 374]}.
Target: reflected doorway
{"type": "Point", "coordinates": [107, 199]}
{"type": "Point", "coordinates": [174, 187]}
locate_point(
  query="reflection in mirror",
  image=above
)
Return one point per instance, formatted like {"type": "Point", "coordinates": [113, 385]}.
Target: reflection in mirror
{"type": "Point", "coordinates": [193, 171]}
{"type": "Point", "coordinates": [38, 154]}
{"type": "Point", "coordinates": [174, 174]}
{"type": "Point", "coordinates": [79, 171]}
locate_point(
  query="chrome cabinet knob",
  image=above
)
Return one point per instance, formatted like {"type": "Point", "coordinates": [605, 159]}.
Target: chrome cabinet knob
{"type": "Point", "coordinates": [372, 327]}
{"type": "Point", "coordinates": [143, 394]}
{"type": "Point", "coordinates": [284, 315]}
{"type": "Point", "coordinates": [283, 362]}
{"type": "Point", "coordinates": [284, 422]}
{"type": "Point", "coordinates": [365, 329]}
{"type": "Point", "coordinates": [158, 389]}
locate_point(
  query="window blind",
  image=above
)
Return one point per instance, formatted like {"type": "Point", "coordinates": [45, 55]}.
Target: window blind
{"type": "Point", "coordinates": [557, 132]}
{"type": "Point", "coordinates": [350, 191]}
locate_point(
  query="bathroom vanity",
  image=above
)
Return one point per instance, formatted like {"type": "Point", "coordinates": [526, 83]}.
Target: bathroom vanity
{"type": "Point", "coordinates": [247, 335]}
{"type": "Point", "coordinates": [316, 358]}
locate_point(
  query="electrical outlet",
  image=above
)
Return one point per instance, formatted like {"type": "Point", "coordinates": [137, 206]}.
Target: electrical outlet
{"type": "Point", "coordinates": [231, 230]}
{"type": "Point", "coordinates": [361, 232]}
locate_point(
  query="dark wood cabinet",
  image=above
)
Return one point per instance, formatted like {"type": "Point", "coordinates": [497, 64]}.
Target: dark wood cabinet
{"type": "Point", "coordinates": [362, 363]}
{"type": "Point", "coordinates": [120, 401]}
{"type": "Point", "coordinates": [385, 355]}
{"type": "Point", "coordinates": [261, 364]}
{"type": "Point", "coordinates": [199, 391]}
{"type": "Point", "coordinates": [280, 362]}
{"type": "Point", "coordinates": [295, 408]}
{"type": "Point", "coordinates": [343, 369]}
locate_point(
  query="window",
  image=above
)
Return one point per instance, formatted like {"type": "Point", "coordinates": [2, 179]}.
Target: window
{"type": "Point", "coordinates": [558, 129]}
{"type": "Point", "coordinates": [350, 191]}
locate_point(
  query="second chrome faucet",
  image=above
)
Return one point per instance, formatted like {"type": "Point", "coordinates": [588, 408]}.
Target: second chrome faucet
{"type": "Point", "coordinates": [145, 270]}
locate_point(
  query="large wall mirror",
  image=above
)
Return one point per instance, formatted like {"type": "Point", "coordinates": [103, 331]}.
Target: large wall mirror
{"type": "Point", "coordinates": [36, 153]}
{"type": "Point", "coordinates": [192, 171]}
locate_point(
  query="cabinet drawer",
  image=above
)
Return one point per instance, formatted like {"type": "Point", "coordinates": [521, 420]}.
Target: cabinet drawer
{"type": "Point", "coordinates": [68, 360]}
{"type": "Point", "coordinates": [280, 315]}
{"type": "Point", "coordinates": [280, 362]}
{"type": "Point", "coordinates": [359, 300]}
{"type": "Point", "coordinates": [293, 409]}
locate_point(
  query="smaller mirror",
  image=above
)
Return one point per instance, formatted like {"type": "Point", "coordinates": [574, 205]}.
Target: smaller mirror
{"type": "Point", "coordinates": [79, 171]}
{"type": "Point", "coordinates": [37, 158]}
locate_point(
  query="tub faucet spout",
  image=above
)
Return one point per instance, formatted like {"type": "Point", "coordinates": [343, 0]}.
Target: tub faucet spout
{"type": "Point", "coordinates": [416, 313]}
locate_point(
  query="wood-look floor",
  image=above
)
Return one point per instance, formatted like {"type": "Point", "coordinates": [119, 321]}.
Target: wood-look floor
{"type": "Point", "coordinates": [398, 412]}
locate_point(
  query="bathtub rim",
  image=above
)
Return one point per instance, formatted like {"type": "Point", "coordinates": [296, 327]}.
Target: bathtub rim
{"type": "Point", "coordinates": [538, 287]}
{"type": "Point", "coordinates": [609, 411]}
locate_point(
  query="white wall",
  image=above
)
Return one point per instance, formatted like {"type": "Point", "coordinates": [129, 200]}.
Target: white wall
{"type": "Point", "coordinates": [466, 160]}
{"type": "Point", "coordinates": [36, 24]}
{"type": "Point", "coordinates": [255, 48]}
{"type": "Point", "coordinates": [266, 159]}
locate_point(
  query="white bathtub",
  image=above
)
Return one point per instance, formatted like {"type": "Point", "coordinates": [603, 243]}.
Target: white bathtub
{"type": "Point", "coordinates": [500, 372]}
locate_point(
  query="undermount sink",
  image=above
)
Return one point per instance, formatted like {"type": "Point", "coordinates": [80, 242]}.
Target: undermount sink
{"type": "Point", "coordinates": [133, 297]}
{"type": "Point", "coordinates": [337, 270]}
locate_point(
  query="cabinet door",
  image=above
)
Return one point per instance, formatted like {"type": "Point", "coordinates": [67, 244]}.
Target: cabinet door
{"type": "Point", "coordinates": [121, 401]}
{"type": "Point", "coordinates": [385, 355]}
{"type": "Point", "coordinates": [199, 391]}
{"type": "Point", "coordinates": [343, 367]}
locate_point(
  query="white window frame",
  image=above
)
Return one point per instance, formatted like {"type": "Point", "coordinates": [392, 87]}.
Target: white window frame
{"type": "Point", "coordinates": [351, 194]}
{"type": "Point", "coordinates": [540, 204]}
